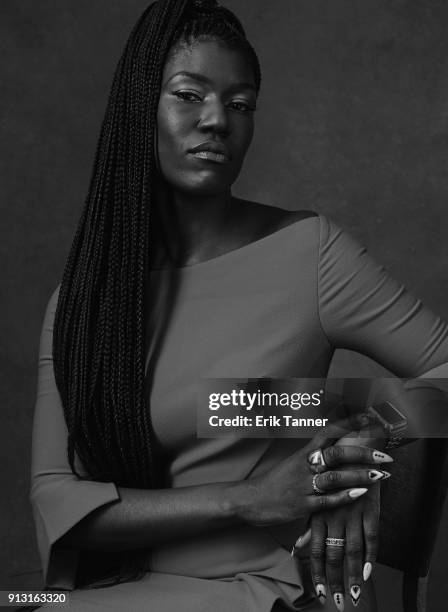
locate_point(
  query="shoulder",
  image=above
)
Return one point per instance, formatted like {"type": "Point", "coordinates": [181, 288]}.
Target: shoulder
{"type": "Point", "coordinates": [268, 219]}
{"type": "Point", "coordinates": [335, 242]}
{"type": "Point", "coordinates": [51, 307]}
{"type": "Point", "coordinates": [53, 301]}
{"type": "Point", "coordinates": [46, 334]}
{"type": "Point", "coordinates": [289, 217]}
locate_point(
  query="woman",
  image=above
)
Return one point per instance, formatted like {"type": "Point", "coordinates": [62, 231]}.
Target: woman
{"type": "Point", "coordinates": [170, 280]}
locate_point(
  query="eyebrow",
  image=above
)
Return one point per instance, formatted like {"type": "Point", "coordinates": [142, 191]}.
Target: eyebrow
{"type": "Point", "coordinates": [196, 76]}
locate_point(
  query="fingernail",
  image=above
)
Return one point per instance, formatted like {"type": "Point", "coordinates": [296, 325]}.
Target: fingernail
{"type": "Point", "coordinates": [314, 458]}
{"type": "Point", "coordinates": [355, 593]}
{"type": "Point", "coordinates": [354, 493]}
{"type": "Point", "coordinates": [380, 457]}
{"type": "Point", "coordinates": [339, 601]}
{"type": "Point", "coordinates": [321, 593]}
{"type": "Point", "coordinates": [296, 547]}
{"type": "Point", "coordinates": [378, 475]}
{"type": "Point", "coordinates": [367, 571]}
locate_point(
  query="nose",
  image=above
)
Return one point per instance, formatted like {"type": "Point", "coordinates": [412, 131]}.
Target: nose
{"type": "Point", "coordinates": [214, 118]}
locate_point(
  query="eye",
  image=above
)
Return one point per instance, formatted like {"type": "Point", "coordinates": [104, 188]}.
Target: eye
{"type": "Point", "coordinates": [187, 96]}
{"type": "Point", "coordinates": [242, 107]}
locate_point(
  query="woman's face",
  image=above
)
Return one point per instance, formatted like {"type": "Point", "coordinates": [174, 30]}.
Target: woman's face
{"type": "Point", "coordinates": [205, 117]}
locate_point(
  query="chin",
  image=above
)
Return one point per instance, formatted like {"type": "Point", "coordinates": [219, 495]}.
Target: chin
{"type": "Point", "coordinates": [205, 187]}
{"type": "Point", "coordinates": [205, 191]}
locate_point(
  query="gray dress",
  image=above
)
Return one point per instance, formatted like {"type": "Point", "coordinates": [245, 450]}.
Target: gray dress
{"type": "Point", "coordinates": [277, 307]}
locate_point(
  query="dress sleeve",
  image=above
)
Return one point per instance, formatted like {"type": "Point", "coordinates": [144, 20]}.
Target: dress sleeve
{"type": "Point", "coordinates": [59, 498]}
{"type": "Point", "coordinates": [364, 309]}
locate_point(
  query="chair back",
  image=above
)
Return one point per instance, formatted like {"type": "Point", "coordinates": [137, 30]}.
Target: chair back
{"type": "Point", "coordinates": [411, 505]}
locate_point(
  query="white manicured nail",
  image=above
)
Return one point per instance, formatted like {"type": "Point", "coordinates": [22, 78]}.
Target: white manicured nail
{"type": "Point", "coordinates": [355, 593]}
{"type": "Point", "coordinates": [321, 593]}
{"type": "Point", "coordinates": [378, 475]}
{"type": "Point", "coordinates": [375, 475]}
{"type": "Point", "coordinates": [314, 458]}
{"type": "Point", "coordinates": [354, 493]}
{"type": "Point", "coordinates": [339, 601]}
{"type": "Point", "coordinates": [380, 457]}
{"type": "Point", "coordinates": [367, 571]}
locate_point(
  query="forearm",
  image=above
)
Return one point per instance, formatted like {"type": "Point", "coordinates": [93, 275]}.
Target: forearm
{"type": "Point", "coordinates": [372, 439]}
{"type": "Point", "coordinates": [407, 408]}
{"type": "Point", "coordinates": [144, 518]}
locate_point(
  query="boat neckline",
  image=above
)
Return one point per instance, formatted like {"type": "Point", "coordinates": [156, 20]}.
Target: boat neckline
{"type": "Point", "coordinates": [233, 252]}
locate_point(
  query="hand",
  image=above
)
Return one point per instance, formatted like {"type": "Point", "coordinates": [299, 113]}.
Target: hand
{"type": "Point", "coordinates": [285, 493]}
{"type": "Point", "coordinates": [358, 524]}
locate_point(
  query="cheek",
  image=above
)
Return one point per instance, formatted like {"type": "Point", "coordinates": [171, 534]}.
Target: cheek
{"type": "Point", "coordinates": [169, 131]}
{"type": "Point", "coordinates": [172, 132]}
{"type": "Point", "coordinates": [174, 123]}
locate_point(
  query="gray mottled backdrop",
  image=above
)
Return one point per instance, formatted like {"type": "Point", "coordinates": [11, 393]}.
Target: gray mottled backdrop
{"type": "Point", "coordinates": [352, 122]}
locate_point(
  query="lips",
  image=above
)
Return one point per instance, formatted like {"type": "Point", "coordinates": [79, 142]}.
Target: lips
{"type": "Point", "coordinates": [211, 151]}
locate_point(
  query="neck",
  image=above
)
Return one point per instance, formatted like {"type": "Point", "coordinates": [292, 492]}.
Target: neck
{"type": "Point", "coordinates": [188, 228]}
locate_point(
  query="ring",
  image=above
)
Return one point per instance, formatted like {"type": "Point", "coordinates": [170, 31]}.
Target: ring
{"type": "Point", "coordinates": [335, 542]}
{"type": "Point", "coordinates": [317, 490]}
{"type": "Point", "coordinates": [317, 461]}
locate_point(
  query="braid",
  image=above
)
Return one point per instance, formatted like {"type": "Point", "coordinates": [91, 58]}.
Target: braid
{"type": "Point", "coordinates": [205, 19]}
{"type": "Point", "coordinates": [98, 344]}
{"type": "Point", "coordinates": [99, 330]}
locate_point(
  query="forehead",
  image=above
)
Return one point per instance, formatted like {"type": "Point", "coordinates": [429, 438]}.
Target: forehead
{"type": "Point", "coordinates": [211, 59]}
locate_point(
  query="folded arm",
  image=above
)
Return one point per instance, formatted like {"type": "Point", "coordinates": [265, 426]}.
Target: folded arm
{"type": "Point", "coordinates": [363, 309]}
{"type": "Point", "coordinates": [74, 513]}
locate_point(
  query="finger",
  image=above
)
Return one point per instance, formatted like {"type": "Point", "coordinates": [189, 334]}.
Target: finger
{"type": "Point", "coordinates": [327, 435]}
{"type": "Point", "coordinates": [318, 503]}
{"type": "Point", "coordinates": [334, 456]}
{"type": "Point", "coordinates": [354, 552]}
{"type": "Point", "coordinates": [320, 460]}
{"type": "Point", "coordinates": [335, 567]}
{"type": "Point", "coordinates": [336, 479]}
{"type": "Point", "coordinates": [370, 524]}
{"type": "Point", "coordinates": [317, 557]}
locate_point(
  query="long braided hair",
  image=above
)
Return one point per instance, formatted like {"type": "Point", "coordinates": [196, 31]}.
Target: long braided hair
{"type": "Point", "coordinates": [99, 331]}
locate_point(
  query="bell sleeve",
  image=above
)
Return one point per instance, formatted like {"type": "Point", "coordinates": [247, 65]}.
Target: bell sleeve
{"type": "Point", "coordinates": [362, 308]}
{"type": "Point", "coordinates": [59, 499]}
